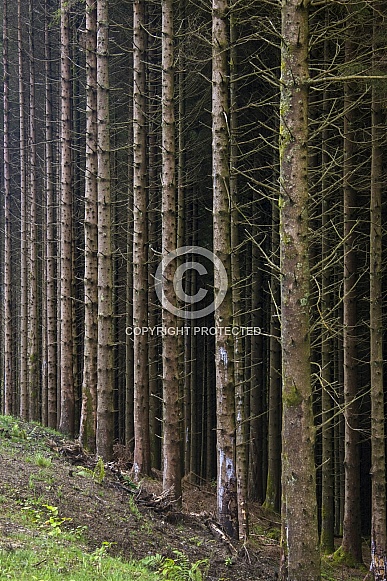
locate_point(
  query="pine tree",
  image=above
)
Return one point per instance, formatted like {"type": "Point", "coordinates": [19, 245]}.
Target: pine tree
{"type": "Point", "coordinates": [88, 422]}
{"type": "Point", "coordinates": [105, 377]}
{"type": "Point", "coordinates": [224, 346]}
{"type": "Point", "coordinates": [67, 396]}
{"type": "Point", "coordinates": [141, 461]}
{"type": "Point", "coordinates": [171, 402]}
{"type": "Point", "coordinates": [300, 546]}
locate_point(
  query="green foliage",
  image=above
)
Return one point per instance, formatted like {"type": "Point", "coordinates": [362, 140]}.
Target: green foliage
{"type": "Point", "coordinates": [98, 474]}
{"type": "Point", "coordinates": [129, 482]}
{"type": "Point", "coordinates": [332, 569]}
{"type": "Point", "coordinates": [54, 521]}
{"type": "Point", "coordinates": [99, 471]}
{"type": "Point", "coordinates": [85, 472]}
{"type": "Point", "coordinates": [45, 517]}
{"type": "Point", "coordinates": [56, 560]}
{"type": "Point", "coordinates": [42, 461]}
{"type": "Point", "coordinates": [342, 558]}
{"type": "Point", "coordinates": [179, 569]}
{"type": "Point", "coordinates": [98, 555]}
{"type": "Point", "coordinates": [18, 433]}
{"type": "Point", "coordinates": [133, 507]}
{"type": "Point", "coordinates": [196, 541]}
{"type": "Point", "coordinates": [270, 532]}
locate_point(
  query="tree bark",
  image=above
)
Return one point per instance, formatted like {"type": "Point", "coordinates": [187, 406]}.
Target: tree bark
{"type": "Point", "coordinates": [239, 378]}
{"type": "Point", "coordinates": [23, 227]}
{"type": "Point", "coordinates": [105, 377]}
{"type": "Point", "coordinates": [141, 460]}
{"type": "Point", "coordinates": [300, 557]}
{"type": "Point", "coordinates": [8, 376]}
{"type": "Point", "coordinates": [51, 250]}
{"type": "Point", "coordinates": [378, 456]}
{"type": "Point", "coordinates": [66, 423]}
{"type": "Point", "coordinates": [273, 485]}
{"type": "Point", "coordinates": [257, 472]}
{"type": "Point", "coordinates": [33, 298]}
{"type": "Point", "coordinates": [224, 345]}
{"type": "Point", "coordinates": [172, 411]}
{"type": "Point", "coordinates": [350, 550]}
{"type": "Point", "coordinates": [327, 457]}
{"type": "Point", "coordinates": [88, 422]}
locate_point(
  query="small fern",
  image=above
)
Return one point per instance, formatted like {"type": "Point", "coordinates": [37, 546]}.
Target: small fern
{"type": "Point", "coordinates": [86, 472]}
{"type": "Point", "coordinates": [179, 569]}
{"type": "Point", "coordinates": [153, 562]}
{"type": "Point", "coordinates": [99, 471]}
{"type": "Point", "coordinates": [98, 474]}
{"type": "Point", "coordinates": [183, 565]}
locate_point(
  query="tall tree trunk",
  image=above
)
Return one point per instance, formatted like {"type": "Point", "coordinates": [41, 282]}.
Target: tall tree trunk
{"type": "Point", "coordinates": [88, 423]}
{"type": "Point", "coordinates": [273, 485]}
{"type": "Point", "coordinates": [180, 229]}
{"type": "Point", "coordinates": [67, 397]}
{"type": "Point", "coordinates": [141, 460]}
{"type": "Point", "coordinates": [378, 458]}
{"type": "Point", "coordinates": [153, 211]}
{"type": "Point", "coordinates": [300, 557]}
{"type": "Point", "coordinates": [8, 377]}
{"type": "Point", "coordinates": [33, 354]}
{"type": "Point", "coordinates": [239, 379]}
{"type": "Point", "coordinates": [23, 227]}
{"type": "Point", "coordinates": [172, 410]}
{"type": "Point", "coordinates": [129, 355]}
{"type": "Point", "coordinates": [327, 464]}
{"type": "Point", "coordinates": [224, 345]}
{"type": "Point", "coordinates": [105, 405]}
{"type": "Point", "coordinates": [257, 386]}
{"type": "Point", "coordinates": [350, 550]}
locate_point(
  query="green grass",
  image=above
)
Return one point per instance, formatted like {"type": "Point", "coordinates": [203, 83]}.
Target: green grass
{"type": "Point", "coordinates": [331, 570]}
{"type": "Point", "coordinates": [49, 560]}
{"type": "Point", "coordinates": [56, 555]}
{"type": "Point", "coordinates": [48, 548]}
{"type": "Point", "coordinates": [48, 552]}
{"type": "Point", "coordinates": [42, 461]}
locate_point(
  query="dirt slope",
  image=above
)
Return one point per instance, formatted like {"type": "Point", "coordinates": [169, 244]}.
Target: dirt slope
{"type": "Point", "coordinates": [137, 522]}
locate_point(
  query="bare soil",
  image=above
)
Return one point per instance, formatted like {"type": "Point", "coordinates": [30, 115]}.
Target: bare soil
{"type": "Point", "coordinates": [137, 522]}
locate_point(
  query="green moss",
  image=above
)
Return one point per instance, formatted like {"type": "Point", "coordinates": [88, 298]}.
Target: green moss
{"type": "Point", "coordinates": [341, 557]}
{"type": "Point", "coordinates": [292, 396]}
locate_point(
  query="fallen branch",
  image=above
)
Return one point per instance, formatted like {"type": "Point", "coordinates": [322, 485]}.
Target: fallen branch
{"type": "Point", "coordinates": [221, 536]}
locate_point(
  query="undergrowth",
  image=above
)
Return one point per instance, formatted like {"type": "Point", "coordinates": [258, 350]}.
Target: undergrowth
{"type": "Point", "coordinates": [178, 569]}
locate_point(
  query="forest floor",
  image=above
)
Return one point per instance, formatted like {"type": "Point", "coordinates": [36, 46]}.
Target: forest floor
{"type": "Point", "coordinates": [45, 479]}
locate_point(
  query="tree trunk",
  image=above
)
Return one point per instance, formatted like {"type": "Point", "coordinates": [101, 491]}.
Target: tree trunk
{"type": "Point", "coordinates": [141, 461]}
{"type": "Point", "coordinates": [239, 379]}
{"type": "Point", "coordinates": [23, 228]}
{"type": "Point", "coordinates": [88, 422]}
{"type": "Point", "coordinates": [300, 558]}
{"type": "Point", "coordinates": [172, 409]}
{"type": "Point", "coordinates": [8, 376]}
{"type": "Point", "coordinates": [155, 411]}
{"type": "Point", "coordinates": [378, 468]}
{"type": "Point", "coordinates": [327, 454]}
{"type": "Point", "coordinates": [257, 385]}
{"type": "Point", "coordinates": [350, 550]}
{"type": "Point", "coordinates": [224, 344]}
{"type": "Point", "coordinates": [105, 406]}
{"type": "Point", "coordinates": [66, 423]}
{"type": "Point", "coordinates": [273, 485]}
{"type": "Point", "coordinates": [33, 353]}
